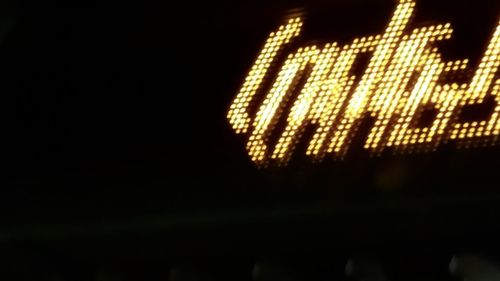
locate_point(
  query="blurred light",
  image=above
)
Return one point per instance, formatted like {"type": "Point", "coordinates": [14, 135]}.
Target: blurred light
{"type": "Point", "coordinates": [386, 92]}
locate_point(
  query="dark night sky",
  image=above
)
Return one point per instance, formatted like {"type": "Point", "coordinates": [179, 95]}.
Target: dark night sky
{"type": "Point", "coordinates": [118, 110]}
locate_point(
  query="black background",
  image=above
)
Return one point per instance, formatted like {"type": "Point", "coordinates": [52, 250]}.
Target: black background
{"type": "Point", "coordinates": [113, 124]}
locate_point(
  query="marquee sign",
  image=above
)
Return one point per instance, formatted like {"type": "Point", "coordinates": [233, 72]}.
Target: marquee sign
{"type": "Point", "coordinates": [405, 75]}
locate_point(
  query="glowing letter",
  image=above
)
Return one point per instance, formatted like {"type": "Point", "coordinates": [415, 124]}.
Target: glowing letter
{"type": "Point", "coordinates": [237, 115]}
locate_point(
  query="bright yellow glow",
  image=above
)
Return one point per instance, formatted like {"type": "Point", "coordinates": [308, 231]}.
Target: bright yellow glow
{"type": "Point", "coordinates": [270, 109]}
{"type": "Point", "coordinates": [305, 106]}
{"type": "Point", "coordinates": [404, 77]}
{"type": "Point", "coordinates": [237, 115]}
{"type": "Point", "coordinates": [477, 90]}
{"type": "Point", "coordinates": [377, 66]}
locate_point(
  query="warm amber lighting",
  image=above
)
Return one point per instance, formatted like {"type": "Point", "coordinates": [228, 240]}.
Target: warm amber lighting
{"type": "Point", "coordinates": [237, 115]}
{"type": "Point", "coordinates": [404, 76]}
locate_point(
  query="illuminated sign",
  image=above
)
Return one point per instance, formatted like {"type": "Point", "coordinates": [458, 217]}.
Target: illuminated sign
{"type": "Point", "coordinates": [405, 73]}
